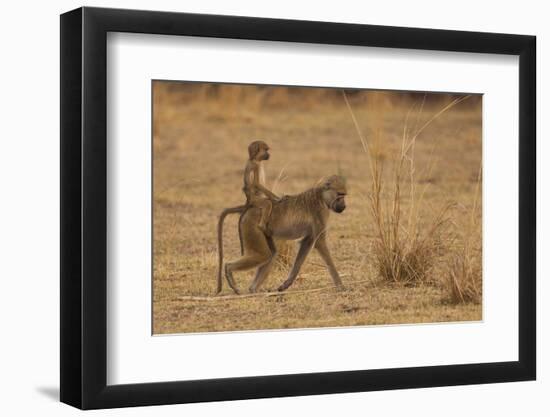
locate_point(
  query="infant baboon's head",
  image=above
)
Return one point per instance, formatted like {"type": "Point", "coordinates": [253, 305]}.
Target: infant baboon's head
{"type": "Point", "coordinates": [258, 150]}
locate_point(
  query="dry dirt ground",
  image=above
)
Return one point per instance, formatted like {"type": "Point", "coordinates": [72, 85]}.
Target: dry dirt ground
{"type": "Point", "coordinates": [200, 138]}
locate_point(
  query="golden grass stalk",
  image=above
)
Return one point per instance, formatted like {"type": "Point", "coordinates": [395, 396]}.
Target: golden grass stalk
{"type": "Point", "coordinates": [404, 253]}
{"type": "Point", "coordinates": [464, 282]}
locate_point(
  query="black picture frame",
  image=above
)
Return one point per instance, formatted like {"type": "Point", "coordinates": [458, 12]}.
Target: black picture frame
{"type": "Point", "coordinates": [84, 207]}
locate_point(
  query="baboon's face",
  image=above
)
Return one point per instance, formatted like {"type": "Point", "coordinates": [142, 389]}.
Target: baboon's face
{"type": "Point", "coordinates": [334, 194]}
{"type": "Point", "coordinates": [258, 151]}
{"type": "Point", "coordinates": [263, 153]}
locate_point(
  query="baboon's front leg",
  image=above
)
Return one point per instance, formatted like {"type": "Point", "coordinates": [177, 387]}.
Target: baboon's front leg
{"type": "Point", "coordinates": [305, 246]}
{"type": "Point", "coordinates": [322, 248]}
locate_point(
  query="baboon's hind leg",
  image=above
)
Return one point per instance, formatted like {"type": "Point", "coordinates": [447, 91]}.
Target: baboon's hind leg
{"type": "Point", "coordinates": [263, 271]}
{"type": "Point", "coordinates": [248, 261]}
{"type": "Point", "coordinates": [230, 280]}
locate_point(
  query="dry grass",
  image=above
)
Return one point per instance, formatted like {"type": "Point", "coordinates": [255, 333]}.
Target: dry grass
{"type": "Point", "coordinates": [402, 252]}
{"type": "Point", "coordinates": [464, 277]}
{"type": "Point", "coordinates": [200, 140]}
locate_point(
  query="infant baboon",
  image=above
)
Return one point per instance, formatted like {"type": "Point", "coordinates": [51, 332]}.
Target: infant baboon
{"type": "Point", "coordinates": [257, 195]}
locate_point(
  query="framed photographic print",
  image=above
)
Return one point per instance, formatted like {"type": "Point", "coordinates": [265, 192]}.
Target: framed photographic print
{"type": "Point", "coordinates": [257, 207]}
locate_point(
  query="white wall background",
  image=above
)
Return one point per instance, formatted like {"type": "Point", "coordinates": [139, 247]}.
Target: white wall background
{"type": "Point", "coordinates": [29, 211]}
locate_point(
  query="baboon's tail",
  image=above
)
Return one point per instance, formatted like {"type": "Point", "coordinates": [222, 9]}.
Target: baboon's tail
{"type": "Point", "coordinates": [241, 233]}
{"type": "Point", "coordinates": [225, 212]}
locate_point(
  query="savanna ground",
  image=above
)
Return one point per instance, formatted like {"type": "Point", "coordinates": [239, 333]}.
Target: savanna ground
{"type": "Point", "coordinates": [200, 138]}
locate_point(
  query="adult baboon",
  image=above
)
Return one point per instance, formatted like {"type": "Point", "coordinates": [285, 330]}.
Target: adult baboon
{"type": "Point", "coordinates": [303, 216]}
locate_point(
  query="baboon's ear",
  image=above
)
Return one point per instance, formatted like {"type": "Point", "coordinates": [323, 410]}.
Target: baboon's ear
{"type": "Point", "coordinates": [334, 180]}
{"type": "Point", "coordinates": [253, 149]}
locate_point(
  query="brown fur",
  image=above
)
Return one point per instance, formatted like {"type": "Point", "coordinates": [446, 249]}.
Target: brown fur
{"type": "Point", "coordinates": [257, 195]}
{"type": "Point", "coordinates": [303, 216]}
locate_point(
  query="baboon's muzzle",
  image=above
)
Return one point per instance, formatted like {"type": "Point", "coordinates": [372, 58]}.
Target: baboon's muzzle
{"type": "Point", "coordinates": [338, 206]}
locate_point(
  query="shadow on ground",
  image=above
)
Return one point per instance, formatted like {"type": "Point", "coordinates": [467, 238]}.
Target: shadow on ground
{"type": "Point", "coordinates": [50, 392]}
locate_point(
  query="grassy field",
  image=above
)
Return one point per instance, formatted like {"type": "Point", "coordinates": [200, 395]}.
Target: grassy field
{"type": "Point", "coordinates": [200, 138]}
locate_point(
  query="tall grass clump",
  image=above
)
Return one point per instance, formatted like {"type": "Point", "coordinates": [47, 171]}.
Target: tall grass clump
{"type": "Point", "coordinates": [464, 275]}
{"type": "Point", "coordinates": [407, 242]}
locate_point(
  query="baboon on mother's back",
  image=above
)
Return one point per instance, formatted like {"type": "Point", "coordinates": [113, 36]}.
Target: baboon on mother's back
{"type": "Point", "coordinates": [257, 195]}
